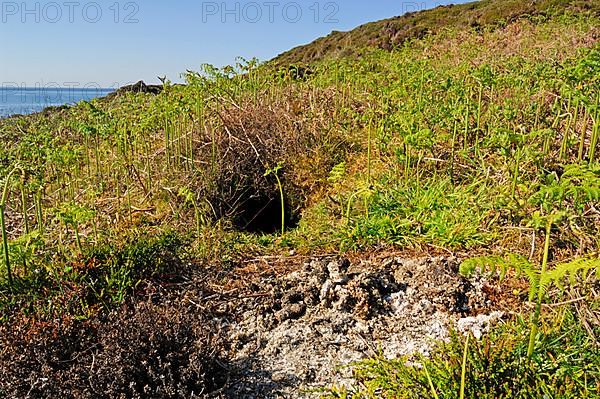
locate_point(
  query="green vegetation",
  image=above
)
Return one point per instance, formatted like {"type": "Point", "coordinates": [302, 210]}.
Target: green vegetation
{"type": "Point", "coordinates": [471, 129]}
{"type": "Point", "coordinates": [100, 278]}
{"type": "Point", "coordinates": [496, 367]}
{"type": "Point", "coordinates": [394, 32]}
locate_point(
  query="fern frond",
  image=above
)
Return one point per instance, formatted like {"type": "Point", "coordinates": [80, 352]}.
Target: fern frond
{"type": "Point", "coordinates": [571, 270]}
{"type": "Point", "coordinates": [579, 183]}
{"type": "Point", "coordinates": [495, 264]}
{"type": "Point", "coordinates": [533, 277]}
{"type": "Point", "coordinates": [337, 173]}
{"type": "Point", "coordinates": [521, 266]}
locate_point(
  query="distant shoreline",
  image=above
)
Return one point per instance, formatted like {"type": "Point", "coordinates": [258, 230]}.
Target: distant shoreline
{"type": "Point", "coordinates": [139, 87]}
{"type": "Point", "coordinates": [40, 107]}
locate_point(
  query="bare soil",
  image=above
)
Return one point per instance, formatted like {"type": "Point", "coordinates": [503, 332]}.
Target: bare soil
{"type": "Point", "coordinates": [274, 328]}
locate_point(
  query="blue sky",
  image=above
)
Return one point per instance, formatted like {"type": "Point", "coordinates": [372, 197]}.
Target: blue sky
{"type": "Point", "coordinates": [112, 43]}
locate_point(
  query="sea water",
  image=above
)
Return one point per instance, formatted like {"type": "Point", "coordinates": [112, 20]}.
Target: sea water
{"type": "Point", "coordinates": [21, 100]}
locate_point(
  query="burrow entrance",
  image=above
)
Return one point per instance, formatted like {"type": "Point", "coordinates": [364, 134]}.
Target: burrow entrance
{"type": "Point", "coordinates": [261, 214]}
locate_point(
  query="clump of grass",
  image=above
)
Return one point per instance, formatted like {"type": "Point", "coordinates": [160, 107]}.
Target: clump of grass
{"type": "Point", "coordinates": [430, 211]}
{"type": "Point", "coordinates": [100, 279]}
{"type": "Point", "coordinates": [565, 365]}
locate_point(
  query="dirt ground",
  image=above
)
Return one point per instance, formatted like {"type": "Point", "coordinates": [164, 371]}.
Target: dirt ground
{"type": "Point", "coordinates": [273, 328]}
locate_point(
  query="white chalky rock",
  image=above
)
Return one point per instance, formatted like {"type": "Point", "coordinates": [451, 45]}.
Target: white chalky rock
{"type": "Point", "coordinates": [478, 325]}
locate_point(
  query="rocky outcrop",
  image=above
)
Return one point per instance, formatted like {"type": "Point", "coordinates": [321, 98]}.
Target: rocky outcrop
{"type": "Point", "coordinates": [139, 87]}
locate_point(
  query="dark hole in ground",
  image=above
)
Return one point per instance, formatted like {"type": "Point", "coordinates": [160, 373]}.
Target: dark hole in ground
{"type": "Point", "coordinates": [262, 214]}
{"type": "Point", "coordinates": [461, 304]}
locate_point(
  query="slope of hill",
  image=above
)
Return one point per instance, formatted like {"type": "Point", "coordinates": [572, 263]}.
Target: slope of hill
{"type": "Point", "coordinates": [248, 233]}
{"type": "Point", "coordinates": [391, 33]}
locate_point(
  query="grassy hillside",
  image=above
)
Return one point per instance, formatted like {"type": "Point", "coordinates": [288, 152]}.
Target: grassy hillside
{"type": "Point", "coordinates": [394, 32]}
{"type": "Point", "coordinates": [479, 139]}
